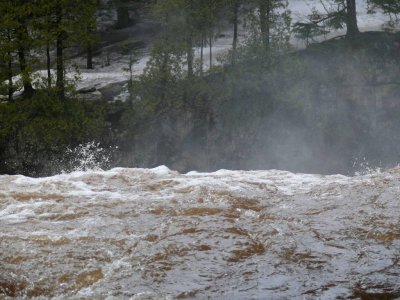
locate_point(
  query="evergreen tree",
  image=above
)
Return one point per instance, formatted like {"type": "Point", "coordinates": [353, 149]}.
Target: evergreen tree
{"type": "Point", "coordinates": [388, 7]}
{"type": "Point", "coordinates": [267, 23]}
{"type": "Point", "coordinates": [169, 48]}
{"type": "Point", "coordinates": [7, 47]}
{"type": "Point", "coordinates": [265, 8]}
{"type": "Point", "coordinates": [32, 25]}
{"type": "Point", "coordinates": [17, 43]}
{"type": "Point", "coordinates": [337, 14]}
{"type": "Point", "coordinates": [44, 23]}
{"type": "Point", "coordinates": [69, 21]}
{"type": "Point", "coordinates": [126, 11]}
{"type": "Point", "coordinates": [24, 14]}
{"type": "Point", "coordinates": [234, 6]}
{"type": "Point", "coordinates": [204, 21]}
{"type": "Point", "coordinates": [186, 24]}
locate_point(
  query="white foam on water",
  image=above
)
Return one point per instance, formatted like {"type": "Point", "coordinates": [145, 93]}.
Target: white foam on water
{"type": "Point", "coordinates": [241, 234]}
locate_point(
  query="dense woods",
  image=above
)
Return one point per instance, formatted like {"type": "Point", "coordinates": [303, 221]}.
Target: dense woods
{"type": "Point", "coordinates": [264, 104]}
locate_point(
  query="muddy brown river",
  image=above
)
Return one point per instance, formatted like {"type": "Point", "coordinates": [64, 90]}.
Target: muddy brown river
{"type": "Point", "coordinates": [158, 234]}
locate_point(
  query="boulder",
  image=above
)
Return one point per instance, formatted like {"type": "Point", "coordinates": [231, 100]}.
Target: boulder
{"type": "Point", "coordinates": [91, 96]}
{"type": "Point", "coordinates": [86, 90]}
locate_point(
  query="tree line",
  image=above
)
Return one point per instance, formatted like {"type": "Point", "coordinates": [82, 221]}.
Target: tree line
{"type": "Point", "coordinates": [255, 80]}
{"type": "Point", "coordinates": [33, 29]}
{"type": "Point", "coordinates": [177, 85]}
{"type": "Point", "coordinates": [187, 25]}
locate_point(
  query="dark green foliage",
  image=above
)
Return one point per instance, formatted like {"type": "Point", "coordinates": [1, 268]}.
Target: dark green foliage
{"type": "Point", "coordinates": [36, 27]}
{"type": "Point", "coordinates": [308, 31]}
{"type": "Point", "coordinates": [387, 6]}
{"type": "Point", "coordinates": [36, 128]}
{"type": "Point", "coordinates": [35, 132]}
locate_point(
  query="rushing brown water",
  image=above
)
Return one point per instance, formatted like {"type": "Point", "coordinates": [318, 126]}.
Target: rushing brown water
{"type": "Point", "coordinates": [157, 234]}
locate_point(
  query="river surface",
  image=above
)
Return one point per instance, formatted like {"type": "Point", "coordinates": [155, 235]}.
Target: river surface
{"type": "Point", "coordinates": [158, 234]}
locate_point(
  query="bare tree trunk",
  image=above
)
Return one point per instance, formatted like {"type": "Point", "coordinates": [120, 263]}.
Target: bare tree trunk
{"type": "Point", "coordinates": [89, 57]}
{"type": "Point", "coordinates": [210, 42]}
{"type": "Point", "coordinates": [48, 58]}
{"type": "Point", "coordinates": [10, 79]}
{"type": "Point", "coordinates": [60, 84]}
{"type": "Point", "coordinates": [189, 40]}
{"type": "Point", "coordinates": [89, 49]}
{"type": "Point", "coordinates": [10, 84]}
{"type": "Point", "coordinates": [123, 19]}
{"type": "Point", "coordinates": [201, 56]}
{"type": "Point", "coordinates": [235, 29]}
{"type": "Point", "coordinates": [265, 18]}
{"type": "Point", "coordinates": [22, 37]}
{"type": "Point", "coordinates": [164, 72]}
{"type": "Point", "coordinates": [26, 81]}
{"type": "Point", "coordinates": [60, 81]}
{"type": "Point", "coordinates": [190, 57]}
{"type": "Point", "coordinates": [351, 19]}
{"type": "Point", "coordinates": [164, 81]}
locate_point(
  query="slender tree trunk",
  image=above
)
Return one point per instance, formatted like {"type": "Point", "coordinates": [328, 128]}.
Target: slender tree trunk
{"type": "Point", "coordinates": [201, 55]}
{"type": "Point", "coordinates": [265, 17]}
{"type": "Point", "coordinates": [164, 70]}
{"type": "Point", "coordinates": [89, 49]}
{"type": "Point", "coordinates": [22, 37]}
{"type": "Point", "coordinates": [235, 30]}
{"type": "Point", "coordinates": [164, 80]}
{"type": "Point", "coordinates": [60, 84]}
{"type": "Point", "coordinates": [48, 58]}
{"type": "Point", "coordinates": [10, 78]}
{"type": "Point", "coordinates": [123, 19]}
{"type": "Point", "coordinates": [60, 81]}
{"type": "Point", "coordinates": [210, 42]}
{"type": "Point", "coordinates": [268, 29]}
{"type": "Point", "coordinates": [23, 40]}
{"type": "Point", "coordinates": [351, 19]}
{"type": "Point", "coordinates": [189, 40]}
{"type": "Point", "coordinates": [10, 84]}
{"type": "Point", "coordinates": [131, 62]}
{"type": "Point", "coordinates": [26, 81]}
{"type": "Point", "coordinates": [189, 55]}
{"type": "Point", "coordinates": [89, 58]}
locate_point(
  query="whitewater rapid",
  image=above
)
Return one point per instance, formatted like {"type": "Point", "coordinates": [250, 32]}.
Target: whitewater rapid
{"type": "Point", "coordinates": [158, 234]}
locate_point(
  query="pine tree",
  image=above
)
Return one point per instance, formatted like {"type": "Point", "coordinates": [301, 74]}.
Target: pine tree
{"type": "Point", "coordinates": [203, 22]}
{"type": "Point", "coordinates": [68, 22]}
{"type": "Point", "coordinates": [169, 49]}
{"type": "Point", "coordinates": [7, 47]}
{"type": "Point", "coordinates": [388, 7]}
{"type": "Point", "coordinates": [23, 14]}
{"type": "Point", "coordinates": [33, 25]}
{"type": "Point", "coordinates": [234, 6]}
{"type": "Point", "coordinates": [268, 26]}
{"type": "Point", "coordinates": [17, 43]}
{"type": "Point", "coordinates": [338, 14]}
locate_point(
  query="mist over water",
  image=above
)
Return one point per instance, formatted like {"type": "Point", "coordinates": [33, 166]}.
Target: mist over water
{"type": "Point", "coordinates": [318, 110]}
